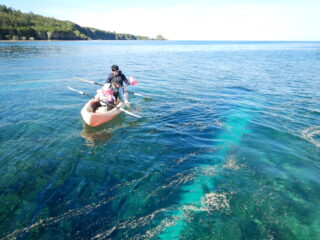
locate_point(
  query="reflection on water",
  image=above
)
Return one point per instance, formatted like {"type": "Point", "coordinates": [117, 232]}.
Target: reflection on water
{"type": "Point", "coordinates": [95, 137]}
{"type": "Point", "coordinates": [100, 135]}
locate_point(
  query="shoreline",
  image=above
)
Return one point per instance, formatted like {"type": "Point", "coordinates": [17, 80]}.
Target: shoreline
{"type": "Point", "coordinates": [66, 40]}
{"type": "Point", "coordinates": [152, 40]}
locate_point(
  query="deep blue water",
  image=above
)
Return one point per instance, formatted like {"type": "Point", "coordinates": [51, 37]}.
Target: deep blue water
{"type": "Point", "coordinates": [227, 147]}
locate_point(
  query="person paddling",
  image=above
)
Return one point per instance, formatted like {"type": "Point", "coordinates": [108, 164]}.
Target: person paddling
{"type": "Point", "coordinates": [118, 92]}
{"type": "Point", "coordinates": [117, 76]}
{"type": "Point", "coordinates": [116, 79]}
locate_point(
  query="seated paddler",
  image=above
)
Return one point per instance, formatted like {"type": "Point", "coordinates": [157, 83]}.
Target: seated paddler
{"type": "Point", "coordinates": [118, 92]}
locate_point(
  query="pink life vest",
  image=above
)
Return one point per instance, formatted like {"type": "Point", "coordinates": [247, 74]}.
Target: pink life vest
{"type": "Point", "coordinates": [105, 95]}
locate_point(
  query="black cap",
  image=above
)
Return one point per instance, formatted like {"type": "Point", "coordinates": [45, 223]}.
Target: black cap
{"type": "Point", "coordinates": [115, 68]}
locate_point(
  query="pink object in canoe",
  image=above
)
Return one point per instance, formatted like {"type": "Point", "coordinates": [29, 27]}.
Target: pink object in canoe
{"type": "Point", "coordinates": [97, 118]}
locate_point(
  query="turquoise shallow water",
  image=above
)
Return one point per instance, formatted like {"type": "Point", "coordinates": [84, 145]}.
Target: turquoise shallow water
{"type": "Point", "coordinates": [228, 146]}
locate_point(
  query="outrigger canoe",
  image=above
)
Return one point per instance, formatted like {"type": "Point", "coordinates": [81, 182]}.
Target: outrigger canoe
{"type": "Point", "coordinates": [101, 116]}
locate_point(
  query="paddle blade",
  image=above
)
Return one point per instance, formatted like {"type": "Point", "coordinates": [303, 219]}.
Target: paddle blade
{"type": "Point", "coordinates": [88, 81]}
{"type": "Point", "coordinates": [133, 81]}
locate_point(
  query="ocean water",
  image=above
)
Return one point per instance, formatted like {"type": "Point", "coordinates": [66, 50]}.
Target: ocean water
{"type": "Point", "coordinates": [228, 146]}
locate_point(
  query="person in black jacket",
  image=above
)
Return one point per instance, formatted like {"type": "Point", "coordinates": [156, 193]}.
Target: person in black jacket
{"type": "Point", "coordinates": [117, 76]}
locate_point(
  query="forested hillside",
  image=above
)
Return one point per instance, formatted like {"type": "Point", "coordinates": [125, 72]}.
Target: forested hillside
{"type": "Point", "coordinates": [15, 25]}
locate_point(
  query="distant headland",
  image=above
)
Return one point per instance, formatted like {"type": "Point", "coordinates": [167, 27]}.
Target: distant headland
{"type": "Point", "coordinates": [15, 25]}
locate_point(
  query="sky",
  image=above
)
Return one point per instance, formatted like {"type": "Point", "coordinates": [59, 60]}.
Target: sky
{"type": "Point", "coordinates": [269, 20]}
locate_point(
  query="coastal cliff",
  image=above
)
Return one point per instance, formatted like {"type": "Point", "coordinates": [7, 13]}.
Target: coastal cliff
{"type": "Point", "coordinates": [15, 25]}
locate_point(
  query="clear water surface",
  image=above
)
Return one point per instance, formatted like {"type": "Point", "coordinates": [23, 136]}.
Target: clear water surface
{"type": "Point", "coordinates": [228, 146]}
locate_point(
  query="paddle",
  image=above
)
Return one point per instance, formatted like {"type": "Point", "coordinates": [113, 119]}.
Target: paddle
{"type": "Point", "coordinates": [119, 108]}
{"type": "Point", "coordinates": [88, 81]}
{"type": "Point", "coordinates": [99, 84]}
